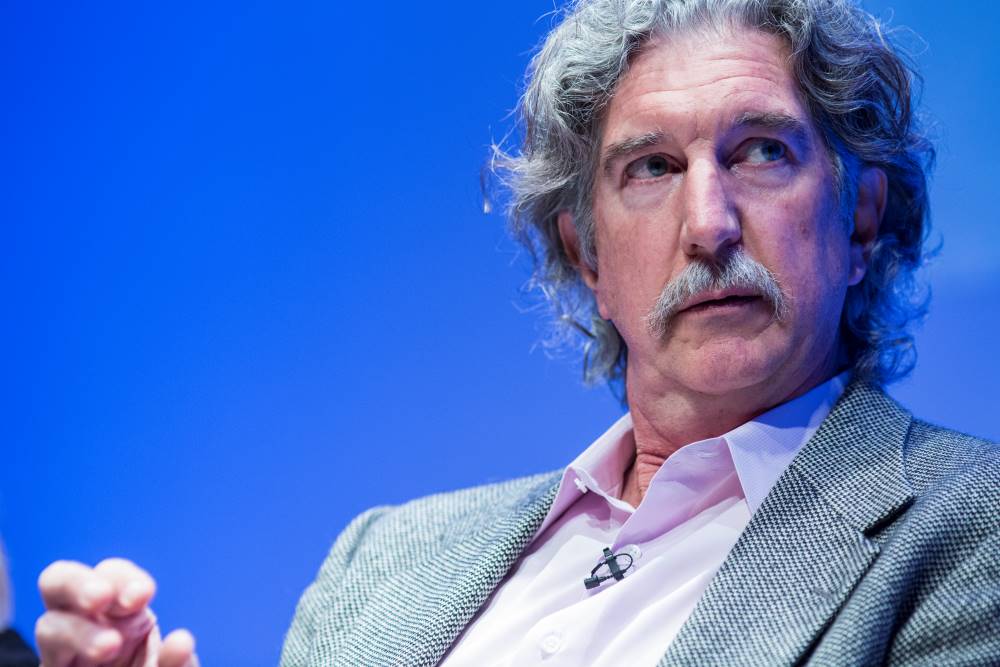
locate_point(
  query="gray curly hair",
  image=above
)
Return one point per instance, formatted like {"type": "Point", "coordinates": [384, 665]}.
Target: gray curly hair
{"type": "Point", "coordinates": [859, 90]}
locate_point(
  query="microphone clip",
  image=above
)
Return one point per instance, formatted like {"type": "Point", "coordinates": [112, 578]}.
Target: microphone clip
{"type": "Point", "coordinates": [609, 560]}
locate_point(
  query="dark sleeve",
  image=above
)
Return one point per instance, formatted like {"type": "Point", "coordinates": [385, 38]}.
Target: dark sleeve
{"type": "Point", "coordinates": [14, 652]}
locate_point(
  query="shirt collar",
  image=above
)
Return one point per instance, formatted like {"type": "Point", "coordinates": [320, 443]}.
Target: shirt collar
{"type": "Point", "coordinates": [601, 467]}
{"type": "Point", "coordinates": [761, 449]}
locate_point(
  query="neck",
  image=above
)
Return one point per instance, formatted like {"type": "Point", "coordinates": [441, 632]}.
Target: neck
{"type": "Point", "coordinates": [667, 416]}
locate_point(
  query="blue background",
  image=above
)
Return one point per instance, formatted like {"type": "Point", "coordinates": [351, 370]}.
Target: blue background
{"type": "Point", "coordinates": [249, 289]}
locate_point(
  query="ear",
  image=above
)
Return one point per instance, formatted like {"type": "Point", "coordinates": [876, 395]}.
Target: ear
{"type": "Point", "coordinates": [571, 246]}
{"type": "Point", "coordinates": [868, 210]}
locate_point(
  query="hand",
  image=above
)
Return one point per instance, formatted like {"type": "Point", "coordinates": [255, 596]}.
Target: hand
{"type": "Point", "coordinates": [100, 617]}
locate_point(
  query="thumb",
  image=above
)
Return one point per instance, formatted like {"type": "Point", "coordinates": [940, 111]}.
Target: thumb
{"type": "Point", "coordinates": [177, 650]}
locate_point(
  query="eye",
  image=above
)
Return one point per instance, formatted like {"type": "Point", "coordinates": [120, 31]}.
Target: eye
{"type": "Point", "coordinates": [762, 151]}
{"type": "Point", "coordinates": [648, 167]}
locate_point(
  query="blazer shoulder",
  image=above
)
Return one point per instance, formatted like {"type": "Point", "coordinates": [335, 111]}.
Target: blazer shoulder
{"type": "Point", "coordinates": [452, 515]}
{"type": "Point", "coordinates": [431, 522]}
{"type": "Point", "coordinates": [955, 478]}
{"type": "Point", "coordinates": [939, 564]}
{"type": "Point", "coordinates": [926, 431]}
{"type": "Point", "coordinates": [935, 457]}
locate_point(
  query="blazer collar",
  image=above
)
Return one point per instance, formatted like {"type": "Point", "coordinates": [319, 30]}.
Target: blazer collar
{"type": "Point", "coordinates": [808, 545]}
{"type": "Point", "coordinates": [855, 459]}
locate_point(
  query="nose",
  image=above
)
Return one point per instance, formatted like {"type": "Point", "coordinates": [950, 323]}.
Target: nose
{"type": "Point", "coordinates": [711, 225]}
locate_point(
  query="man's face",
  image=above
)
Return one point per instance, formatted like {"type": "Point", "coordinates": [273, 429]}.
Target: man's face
{"type": "Point", "coordinates": [707, 149]}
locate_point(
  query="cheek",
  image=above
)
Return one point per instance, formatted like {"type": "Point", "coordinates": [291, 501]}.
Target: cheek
{"type": "Point", "coordinates": [635, 255]}
{"type": "Point", "coordinates": [625, 279]}
{"type": "Point", "coordinates": [806, 246]}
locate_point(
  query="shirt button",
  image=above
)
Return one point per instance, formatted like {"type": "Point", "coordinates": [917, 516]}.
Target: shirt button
{"type": "Point", "coordinates": [551, 644]}
{"type": "Point", "coordinates": [580, 485]}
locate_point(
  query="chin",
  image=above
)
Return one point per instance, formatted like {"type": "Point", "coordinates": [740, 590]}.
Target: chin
{"type": "Point", "coordinates": [724, 366]}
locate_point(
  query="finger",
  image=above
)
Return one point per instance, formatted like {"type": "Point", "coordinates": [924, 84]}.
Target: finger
{"type": "Point", "coordinates": [177, 650]}
{"type": "Point", "coordinates": [133, 587]}
{"type": "Point", "coordinates": [135, 629]}
{"type": "Point", "coordinates": [146, 656]}
{"type": "Point", "coordinates": [64, 637]}
{"type": "Point", "coordinates": [71, 586]}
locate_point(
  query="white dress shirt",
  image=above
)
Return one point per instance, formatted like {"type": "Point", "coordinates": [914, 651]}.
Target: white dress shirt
{"type": "Point", "coordinates": [694, 510]}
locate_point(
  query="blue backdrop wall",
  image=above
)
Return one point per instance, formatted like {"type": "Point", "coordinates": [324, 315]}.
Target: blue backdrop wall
{"type": "Point", "coordinates": [249, 289]}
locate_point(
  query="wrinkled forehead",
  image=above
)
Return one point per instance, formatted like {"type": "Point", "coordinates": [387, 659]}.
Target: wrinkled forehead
{"type": "Point", "coordinates": [696, 81]}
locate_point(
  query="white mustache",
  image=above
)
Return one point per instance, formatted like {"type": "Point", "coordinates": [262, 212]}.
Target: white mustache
{"type": "Point", "coordinates": [737, 270]}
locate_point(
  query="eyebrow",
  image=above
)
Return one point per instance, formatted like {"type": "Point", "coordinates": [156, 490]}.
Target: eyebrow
{"type": "Point", "coordinates": [622, 148]}
{"type": "Point", "coordinates": [769, 120]}
{"type": "Point", "coordinates": [773, 120]}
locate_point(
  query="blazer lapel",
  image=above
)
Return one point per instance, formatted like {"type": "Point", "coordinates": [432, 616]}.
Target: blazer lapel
{"type": "Point", "coordinates": [423, 611]}
{"type": "Point", "coordinates": [808, 544]}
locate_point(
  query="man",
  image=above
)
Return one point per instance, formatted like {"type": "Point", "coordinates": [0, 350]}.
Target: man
{"type": "Point", "coordinates": [733, 194]}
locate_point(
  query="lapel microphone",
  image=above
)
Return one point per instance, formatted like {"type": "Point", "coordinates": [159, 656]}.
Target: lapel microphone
{"type": "Point", "coordinates": [614, 567]}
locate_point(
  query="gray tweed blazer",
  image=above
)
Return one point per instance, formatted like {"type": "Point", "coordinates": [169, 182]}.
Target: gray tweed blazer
{"type": "Point", "coordinates": [880, 544]}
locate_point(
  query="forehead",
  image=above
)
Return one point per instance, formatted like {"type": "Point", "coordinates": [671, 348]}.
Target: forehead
{"type": "Point", "coordinates": [695, 82]}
